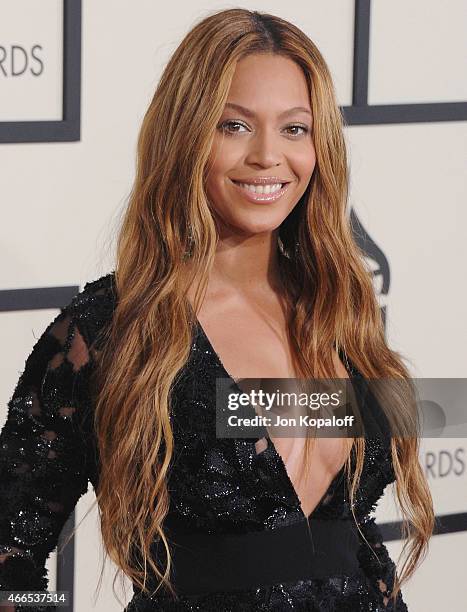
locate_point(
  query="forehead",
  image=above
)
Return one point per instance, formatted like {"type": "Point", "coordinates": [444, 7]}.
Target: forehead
{"type": "Point", "coordinates": [266, 80]}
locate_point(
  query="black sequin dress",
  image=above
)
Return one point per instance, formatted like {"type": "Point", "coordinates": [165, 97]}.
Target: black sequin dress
{"type": "Point", "coordinates": [217, 486]}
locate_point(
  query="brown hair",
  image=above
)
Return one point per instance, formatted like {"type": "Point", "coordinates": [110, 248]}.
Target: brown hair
{"type": "Point", "coordinates": [329, 291]}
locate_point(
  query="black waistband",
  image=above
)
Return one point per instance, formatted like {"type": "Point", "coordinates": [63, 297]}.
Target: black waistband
{"type": "Point", "coordinates": [204, 563]}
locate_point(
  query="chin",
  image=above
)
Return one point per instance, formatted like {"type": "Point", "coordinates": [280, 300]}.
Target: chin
{"type": "Point", "coordinates": [250, 227]}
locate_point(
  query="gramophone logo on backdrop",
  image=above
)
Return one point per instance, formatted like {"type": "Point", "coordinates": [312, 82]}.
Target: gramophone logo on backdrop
{"type": "Point", "coordinates": [434, 415]}
{"type": "Point", "coordinates": [376, 258]}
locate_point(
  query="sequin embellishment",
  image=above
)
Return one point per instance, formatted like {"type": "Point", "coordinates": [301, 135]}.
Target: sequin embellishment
{"type": "Point", "coordinates": [215, 485]}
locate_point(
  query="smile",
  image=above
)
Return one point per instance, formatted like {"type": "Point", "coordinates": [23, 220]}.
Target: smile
{"type": "Point", "coordinates": [261, 193]}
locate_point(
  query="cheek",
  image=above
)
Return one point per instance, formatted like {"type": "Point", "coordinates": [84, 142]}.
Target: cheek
{"type": "Point", "coordinates": [223, 158]}
{"type": "Point", "coordinates": [219, 162]}
{"type": "Point", "coordinates": [305, 161]}
{"type": "Point", "coordinates": [225, 152]}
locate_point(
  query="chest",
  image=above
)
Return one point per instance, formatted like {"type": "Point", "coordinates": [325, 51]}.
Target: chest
{"type": "Point", "coordinates": [255, 344]}
{"type": "Point", "coordinates": [250, 340]}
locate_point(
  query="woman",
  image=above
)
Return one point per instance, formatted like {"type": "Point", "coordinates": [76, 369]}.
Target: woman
{"type": "Point", "coordinates": [235, 259]}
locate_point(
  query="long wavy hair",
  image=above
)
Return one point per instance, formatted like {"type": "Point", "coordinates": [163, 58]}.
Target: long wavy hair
{"type": "Point", "coordinates": [328, 288]}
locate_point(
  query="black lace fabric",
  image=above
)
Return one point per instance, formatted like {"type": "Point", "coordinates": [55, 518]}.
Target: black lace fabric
{"type": "Point", "coordinates": [48, 456]}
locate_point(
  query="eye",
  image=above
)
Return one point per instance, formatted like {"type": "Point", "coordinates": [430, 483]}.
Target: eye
{"type": "Point", "coordinates": [228, 127]}
{"type": "Point", "coordinates": [299, 127]}
{"type": "Point", "coordinates": [223, 126]}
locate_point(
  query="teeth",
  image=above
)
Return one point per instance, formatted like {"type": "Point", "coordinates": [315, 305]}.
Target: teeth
{"type": "Point", "coordinates": [261, 188]}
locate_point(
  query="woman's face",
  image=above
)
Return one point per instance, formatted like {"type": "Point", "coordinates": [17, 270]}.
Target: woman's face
{"type": "Point", "coordinates": [261, 135]}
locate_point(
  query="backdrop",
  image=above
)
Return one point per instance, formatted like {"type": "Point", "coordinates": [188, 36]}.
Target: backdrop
{"type": "Point", "coordinates": [75, 81]}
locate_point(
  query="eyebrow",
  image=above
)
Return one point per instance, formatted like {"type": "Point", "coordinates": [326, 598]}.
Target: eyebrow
{"type": "Point", "coordinates": [249, 113]}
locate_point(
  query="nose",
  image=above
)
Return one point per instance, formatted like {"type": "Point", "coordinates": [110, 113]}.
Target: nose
{"type": "Point", "coordinates": [264, 150]}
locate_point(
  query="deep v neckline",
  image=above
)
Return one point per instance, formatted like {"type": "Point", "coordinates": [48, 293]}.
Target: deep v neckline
{"type": "Point", "coordinates": [270, 444]}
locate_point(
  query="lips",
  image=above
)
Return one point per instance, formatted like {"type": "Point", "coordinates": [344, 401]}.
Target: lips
{"type": "Point", "coordinates": [262, 181]}
{"type": "Point", "coordinates": [260, 197]}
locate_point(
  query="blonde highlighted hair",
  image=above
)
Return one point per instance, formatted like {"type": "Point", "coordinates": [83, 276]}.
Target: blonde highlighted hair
{"type": "Point", "coordinates": [328, 289]}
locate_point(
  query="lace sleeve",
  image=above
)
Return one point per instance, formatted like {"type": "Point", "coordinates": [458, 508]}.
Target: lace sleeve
{"type": "Point", "coordinates": [44, 456]}
{"type": "Point", "coordinates": [377, 564]}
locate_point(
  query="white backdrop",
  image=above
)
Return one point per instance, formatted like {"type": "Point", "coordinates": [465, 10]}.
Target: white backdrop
{"type": "Point", "coordinates": [61, 201]}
